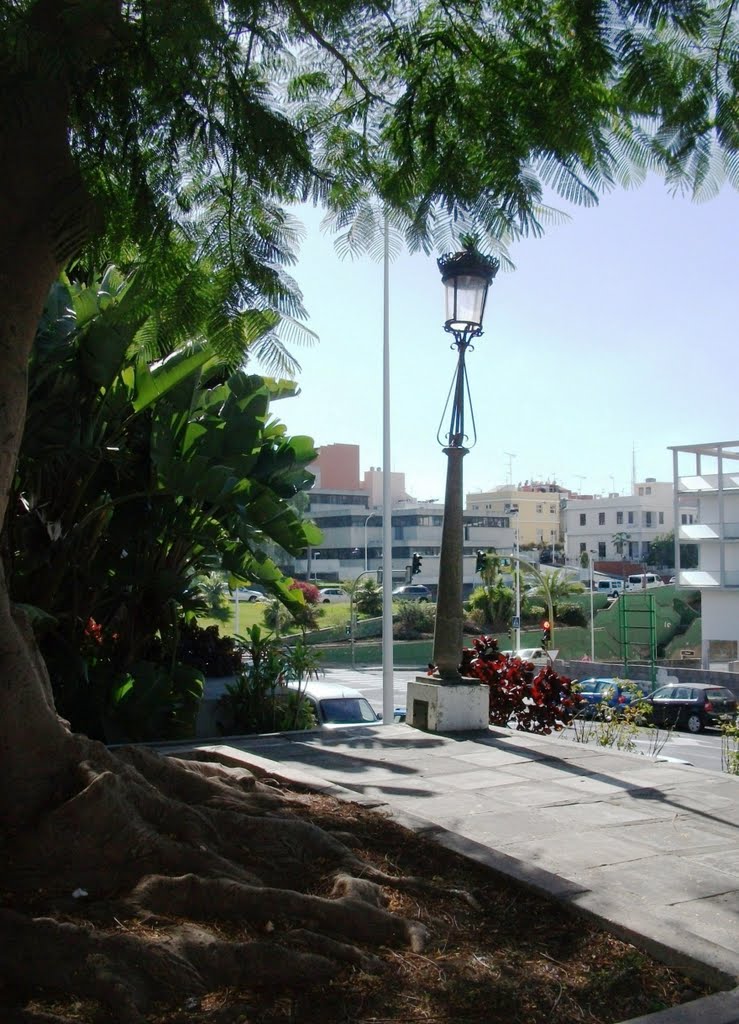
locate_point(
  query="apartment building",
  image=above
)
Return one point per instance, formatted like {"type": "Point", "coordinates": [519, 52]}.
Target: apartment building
{"type": "Point", "coordinates": [706, 508]}
{"type": "Point", "coordinates": [538, 507]}
{"type": "Point", "coordinates": [600, 524]}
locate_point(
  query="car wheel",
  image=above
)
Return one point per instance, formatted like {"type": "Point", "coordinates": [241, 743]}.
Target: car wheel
{"type": "Point", "coordinates": [422, 600]}
{"type": "Point", "coordinates": [326, 601]}
{"type": "Point", "coordinates": [252, 600]}
{"type": "Point", "coordinates": [694, 722]}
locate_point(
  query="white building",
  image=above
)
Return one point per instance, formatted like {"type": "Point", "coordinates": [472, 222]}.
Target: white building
{"type": "Point", "coordinates": [707, 510]}
{"type": "Point", "coordinates": [592, 523]}
{"type": "Point", "coordinates": [352, 538]}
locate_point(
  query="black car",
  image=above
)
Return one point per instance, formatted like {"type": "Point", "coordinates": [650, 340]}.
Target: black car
{"type": "Point", "coordinates": [691, 707]}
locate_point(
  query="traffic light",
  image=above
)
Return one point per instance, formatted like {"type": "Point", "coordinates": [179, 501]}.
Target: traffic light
{"type": "Point", "coordinates": [416, 564]}
{"type": "Point", "coordinates": [480, 563]}
{"type": "Point", "coordinates": [546, 635]}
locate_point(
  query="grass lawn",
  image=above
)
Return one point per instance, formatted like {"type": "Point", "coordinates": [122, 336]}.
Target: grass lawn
{"type": "Point", "coordinates": [252, 613]}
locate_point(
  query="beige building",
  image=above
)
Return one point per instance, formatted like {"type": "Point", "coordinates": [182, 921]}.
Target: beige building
{"type": "Point", "coordinates": [538, 509]}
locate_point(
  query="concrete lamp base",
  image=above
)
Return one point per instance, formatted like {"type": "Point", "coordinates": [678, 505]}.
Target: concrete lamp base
{"type": "Point", "coordinates": [447, 707]}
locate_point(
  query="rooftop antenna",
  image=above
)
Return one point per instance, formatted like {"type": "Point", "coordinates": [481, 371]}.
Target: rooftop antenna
{"type": "Point", "coordinates": [580, 477]}
{"type": "Point", "coordinates": [510, 456]}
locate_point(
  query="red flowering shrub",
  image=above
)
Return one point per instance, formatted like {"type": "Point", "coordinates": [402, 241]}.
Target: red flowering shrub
{"type": "Point", "coordinates": [310, 591]}
{"type": "Point", "coordinates": [535, 699]}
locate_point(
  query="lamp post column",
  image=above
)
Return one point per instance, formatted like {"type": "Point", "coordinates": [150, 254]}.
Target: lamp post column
{"type": "Point", "coordinates": [448, 631]}
{"type": "Point", "coordinates": [447, 702]}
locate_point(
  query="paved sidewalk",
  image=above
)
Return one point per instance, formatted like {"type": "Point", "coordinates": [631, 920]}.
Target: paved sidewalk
{"type": "Point", "coordinates": [652, 849]}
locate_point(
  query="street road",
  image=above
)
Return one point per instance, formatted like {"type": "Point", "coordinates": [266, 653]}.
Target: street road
{"type": "Point", "coordinates": [702, 751]}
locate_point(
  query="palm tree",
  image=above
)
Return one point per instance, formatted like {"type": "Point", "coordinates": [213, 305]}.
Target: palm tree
{"type": "Point", "coordinates": [621, 539]}
{"type": "Point", "coordinates": [553, 586]}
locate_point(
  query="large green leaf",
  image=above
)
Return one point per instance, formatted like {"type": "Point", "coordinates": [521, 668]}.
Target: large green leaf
{"type": "Point", "coordinates": [152, 382]}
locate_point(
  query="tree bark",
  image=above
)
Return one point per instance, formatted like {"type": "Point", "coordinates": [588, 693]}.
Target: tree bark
{"type": "Point", "coordinates": [45, 215]}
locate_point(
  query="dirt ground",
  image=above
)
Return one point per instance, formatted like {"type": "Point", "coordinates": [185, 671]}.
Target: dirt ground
{"type": "Point", "coordinates": [498, 953]}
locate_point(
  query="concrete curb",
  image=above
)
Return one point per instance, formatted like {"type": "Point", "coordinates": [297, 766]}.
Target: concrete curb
{"type": "Point", "coordinates": [697, 957]}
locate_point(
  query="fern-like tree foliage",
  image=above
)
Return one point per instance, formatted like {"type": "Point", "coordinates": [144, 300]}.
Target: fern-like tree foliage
{"type": "Point", "coordinates": [167, 137]}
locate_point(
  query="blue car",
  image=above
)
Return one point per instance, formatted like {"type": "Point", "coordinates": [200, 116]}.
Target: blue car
{"type": "Point", "coordinates": [614, 693]}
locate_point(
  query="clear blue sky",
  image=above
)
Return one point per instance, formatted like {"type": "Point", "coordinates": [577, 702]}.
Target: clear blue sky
{"type": "Point", "coordinates": [616, 331]}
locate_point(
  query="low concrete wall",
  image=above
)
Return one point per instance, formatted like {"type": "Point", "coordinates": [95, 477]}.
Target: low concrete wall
{"type": "Point", "coordinates": [588, 669]}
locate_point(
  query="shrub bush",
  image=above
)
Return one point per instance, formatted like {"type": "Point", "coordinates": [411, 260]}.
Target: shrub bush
{"type": "Point", "coordinates": [205, 649]}
{"type": "Point", "coordinates": [571, 615]}
{"type": "Point", "coordinates": [535, 700]}
{"type": "Point", "coordinates": [413, 619]}
{"type": "Point", "coordinates": [368, 598]}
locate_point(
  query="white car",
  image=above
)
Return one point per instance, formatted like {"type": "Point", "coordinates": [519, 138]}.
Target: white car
{"type": "Point", "coordinates": [332, 595]}
{"type": "Point", "coordinates": [537, 655]}
{"type": "Point", "coordinates": [336, 706]}
{"type": "Point", "coordinates": [248, 595]}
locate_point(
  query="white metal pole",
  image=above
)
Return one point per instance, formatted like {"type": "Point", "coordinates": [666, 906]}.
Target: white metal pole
{"type": "Point", "coordinates": [236, 611]}
{"type": "Point", "coordinates": [366, 566]}
{"type": "Point", "coordinates": [388, 699]}
{"type": "Point", "coordinates": [518, 591]}
{"type": "Point", "coordinates": [592, 619]}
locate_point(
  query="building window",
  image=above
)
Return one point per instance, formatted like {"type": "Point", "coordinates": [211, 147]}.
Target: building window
{"type": "Point", "coordinates": [619, 518]}
{"type": "Point", "coordinates": [583, 519]}
{"type": "Point", "coordinates": [539, 509]}
{"type": "Point", "coordinates": [601, 519]}
{"type": "Point", "coordinates": [641, 491]}
{"type": "Point", "coordinates": [583, 546]}
{"type": "Point", "coordinates": [661, 519]}
{"type": "Point", "coordinates": [649, 490]}
{"type": "Point", "coordinates": [630, 517]}
{"type": "Point", "coordinates": [647, 518]}
{"type": "Point", "coordinates": [552, 510]}
{"type": "Point", "coordinates": [601, 549]}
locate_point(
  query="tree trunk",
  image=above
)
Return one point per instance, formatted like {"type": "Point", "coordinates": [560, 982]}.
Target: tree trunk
{"type": "Point", "coordinates": [45, 215]}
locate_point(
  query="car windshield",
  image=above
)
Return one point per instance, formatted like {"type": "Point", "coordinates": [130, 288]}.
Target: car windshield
{"type": "Point", "coordinates": [347, 710]}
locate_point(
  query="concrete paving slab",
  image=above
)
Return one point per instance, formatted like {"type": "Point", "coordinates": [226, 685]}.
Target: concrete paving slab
{"type": "Point", "coordinates": [680, 833]}
{"type": "Point", "coordinates": [661, 882]}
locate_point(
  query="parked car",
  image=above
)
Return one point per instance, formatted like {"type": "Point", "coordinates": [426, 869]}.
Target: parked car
{"type": "Point", "coordinates": [248, 595]}
{"type": "Point", "coordinates": [412, 592]}
{"type": "Point", "coordinates": [332, 595]}
{"type": "Point", "coordinates": [335, 705]}
{"type": "Point", "coordinates": [692, 707]}
{"type": "Point", "coordinates": [615, 693]}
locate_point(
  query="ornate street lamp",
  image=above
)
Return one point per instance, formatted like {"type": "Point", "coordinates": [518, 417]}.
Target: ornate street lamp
{"type": "Point", "coordinates": [466, 275]}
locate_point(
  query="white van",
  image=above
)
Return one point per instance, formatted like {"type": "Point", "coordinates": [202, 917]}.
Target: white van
{"type": "Point", "coordinates": [610, 587]}
{"type": "Point", "coordinates": [643, 581]}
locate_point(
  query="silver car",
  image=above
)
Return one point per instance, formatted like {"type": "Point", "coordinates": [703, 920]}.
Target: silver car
{"type": "Point", "coordinates": [412, 592]}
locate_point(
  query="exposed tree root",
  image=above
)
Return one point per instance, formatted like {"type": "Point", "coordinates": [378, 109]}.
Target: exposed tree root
{"type": "Point", "coordinates": [163, 842]}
